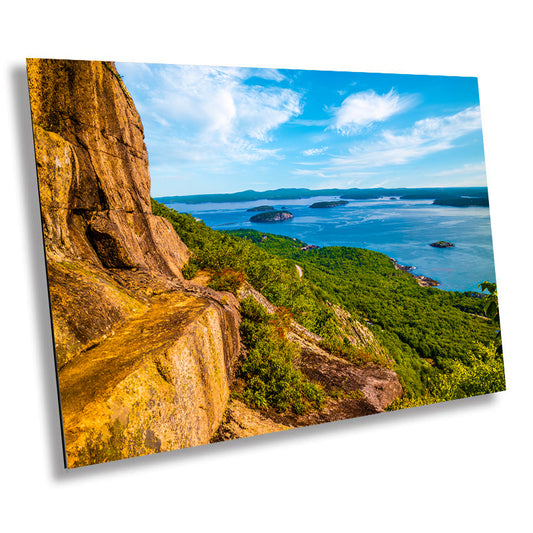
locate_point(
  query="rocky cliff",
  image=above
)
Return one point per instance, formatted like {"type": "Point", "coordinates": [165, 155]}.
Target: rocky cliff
{"type": "Point", "coordinates": [144, 358]}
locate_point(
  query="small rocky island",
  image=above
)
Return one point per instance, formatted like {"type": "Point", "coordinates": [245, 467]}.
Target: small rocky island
{"type": "Point", "coordinates": [261, 208]}
{"type": "Point", "coordinates": [324, 205]}
{"type": "Point", "coordinates": [272, 216]}
{"type": "Point", "coordinates": [442, 244]}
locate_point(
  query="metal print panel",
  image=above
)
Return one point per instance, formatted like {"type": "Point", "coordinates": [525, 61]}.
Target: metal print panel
{"type": "Point", "coordinates": [304, 247]}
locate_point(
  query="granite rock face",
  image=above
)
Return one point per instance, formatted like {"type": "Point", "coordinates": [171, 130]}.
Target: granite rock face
{"type": "Point", "coordinates": [145, 358]}
{"type": "Point", "coordinates": [163, 375]}
{"type": "Point", "coordinates": [93, 174]}
{"type": "Point", "coordinates": [87, 105]}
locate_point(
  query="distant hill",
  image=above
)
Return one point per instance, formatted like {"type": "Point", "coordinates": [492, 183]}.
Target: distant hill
{"type": "Point", "coordinates": [430, 193]}
{"type": "Point", "coordinates": [261, 208]}
{"type": "Point", "coordinates": [462, 201]}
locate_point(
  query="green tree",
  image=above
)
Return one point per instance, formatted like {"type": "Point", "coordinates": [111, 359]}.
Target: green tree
{"type": "Point", "coordinates": [492, 310]}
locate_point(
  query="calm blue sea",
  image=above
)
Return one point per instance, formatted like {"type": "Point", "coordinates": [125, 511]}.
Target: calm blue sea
{"type": "Point", "coordinates": [401, 229]}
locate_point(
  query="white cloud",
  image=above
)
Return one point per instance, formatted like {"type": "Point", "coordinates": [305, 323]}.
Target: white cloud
{"type": "Point", "coordinates": [427, 136]}
{"type": "Point", "coordinates": [269, 74]}
{"type": "Point", "coordinates": [362, 109]}
{"type": "Point", "coordinates": [211, 111]}
{"type": "Point", "coordinates": [329, 172]}
{"type": "Point", "coordinates": [315, 151]}
{"type": "Point", "coordinates": [261, 110]}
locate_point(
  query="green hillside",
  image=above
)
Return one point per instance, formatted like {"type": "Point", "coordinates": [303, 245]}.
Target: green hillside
{"type": "Point", "coordinates": [442, 344]}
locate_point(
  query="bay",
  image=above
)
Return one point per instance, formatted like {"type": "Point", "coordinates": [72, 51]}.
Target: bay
{"type": "Point", "coordinates": [401, 229]}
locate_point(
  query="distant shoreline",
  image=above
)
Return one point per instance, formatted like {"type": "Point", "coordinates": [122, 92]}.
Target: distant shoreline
{"type": "Point", "coordinates": [228, 216]}
{"type": "Point", "coordinates": [456, 195]}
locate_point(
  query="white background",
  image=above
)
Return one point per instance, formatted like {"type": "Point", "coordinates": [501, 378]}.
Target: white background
{"type": "Point", "coordinates": [465, 466]}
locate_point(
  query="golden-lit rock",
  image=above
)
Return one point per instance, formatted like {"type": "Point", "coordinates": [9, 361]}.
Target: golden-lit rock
{"type": "Point", "coordinates": [166, 370]}
{"type": "Point", "coordinates": [145, 358]}
{"type": "Point", "coordinates": [241, 421]}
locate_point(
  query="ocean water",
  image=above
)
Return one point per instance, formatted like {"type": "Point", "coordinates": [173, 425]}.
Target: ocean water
{"type": "Point", "coordinates": [401, 229]}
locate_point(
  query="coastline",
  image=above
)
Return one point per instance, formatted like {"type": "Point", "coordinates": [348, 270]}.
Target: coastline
{"type": "Point", "coordinates": [423, 281]}
{"type": "Point", "coordinates": [366, 220]}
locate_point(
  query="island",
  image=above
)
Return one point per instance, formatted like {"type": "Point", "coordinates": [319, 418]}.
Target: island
{"type": "Point", "coordinates": [442, 244]}
{"type": "Point", "coordinates": [272, 216]}
{"type": "Point", "coordinates": [261, 208]}
{"type": "Point", "coordinates": [324, 205]}
{"type": "Point", "coordinates": [463, 201]}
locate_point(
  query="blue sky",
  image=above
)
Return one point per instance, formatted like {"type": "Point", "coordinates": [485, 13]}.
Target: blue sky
{"type": "Point", "coordinates": [226, 129]}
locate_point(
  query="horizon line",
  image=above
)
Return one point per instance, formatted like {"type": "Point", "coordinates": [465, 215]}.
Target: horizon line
{"type": "Point", "coordinates": [321, 189]}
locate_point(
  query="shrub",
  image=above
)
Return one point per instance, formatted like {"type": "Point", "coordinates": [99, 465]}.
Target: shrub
{"type": "Point", "coordinates": [228, 280]}
{"type": "Point", "coordinates": [270, 376]}
{"type": "Point", "coordinates": [482, 373]}
{"type": "Point", "coordinates": [190, 269]}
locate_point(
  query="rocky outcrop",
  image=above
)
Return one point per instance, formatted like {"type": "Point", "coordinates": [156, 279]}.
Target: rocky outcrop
{"type": "Point", "coordinates": [92, 165]}
{"type": "Point", "coordinates": [240, 421]}
{"type": "Point", "coordinates": [145, 358]}
{"type": "Point", "coordinates": [166, 370]}
{"type": "Point", "coordinates": [352, 390]}
{"type": "Point", "coordinates": [423, 281]}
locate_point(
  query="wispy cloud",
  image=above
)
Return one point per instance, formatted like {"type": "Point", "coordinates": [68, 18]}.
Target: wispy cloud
{"type": "Point", "coordinates": [315, 151]}
{"type": "Point", "coordinates": [267, 74]}
{"type": "Point", "coordinates": [331, 173]}
{"type": "Point", "coordinates": [211, 110]}
{"type": "Point", "coordinates": [463, 170]}
{"type": "Point", "coordinates": [362, 109]}
{"type": "Point", "coordinates": [426, 136]}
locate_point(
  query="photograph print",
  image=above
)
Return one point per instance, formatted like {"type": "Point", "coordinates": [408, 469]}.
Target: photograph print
{"type": "Point", "coordinates": [233, 251]}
